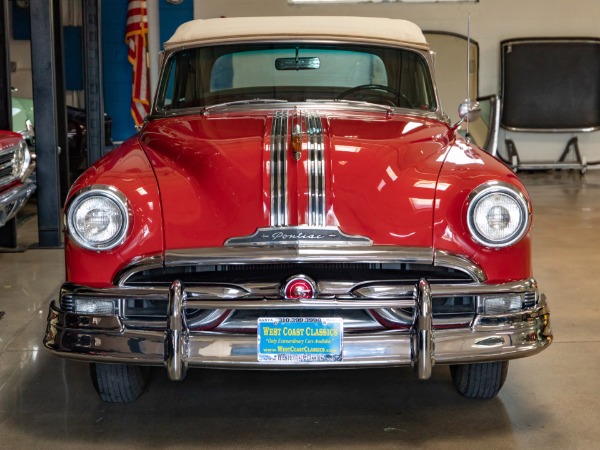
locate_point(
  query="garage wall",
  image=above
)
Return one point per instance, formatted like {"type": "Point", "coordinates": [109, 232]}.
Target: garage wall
{"type": "Point", "coordinates": [491, 22]}
{"type": "Point", "coordinates": [117, 69]}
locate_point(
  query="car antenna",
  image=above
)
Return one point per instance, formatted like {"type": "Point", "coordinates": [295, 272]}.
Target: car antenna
{"type": "Point", "coordinates": [468, 109]}
{"type": "Point", "coordinates": [467, 135]}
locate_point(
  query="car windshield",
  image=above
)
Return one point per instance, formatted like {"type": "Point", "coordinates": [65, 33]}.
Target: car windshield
{"type": "Point", "coordinates": [208, 76]}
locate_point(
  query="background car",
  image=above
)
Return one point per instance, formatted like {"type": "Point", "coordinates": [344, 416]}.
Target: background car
{"type": "Point", "coordinates": [23, 119]}
{"type": "Point", "coordinates": [16, 167]}
{"type": "Point", "coordinates": [77, 137]}
{"type": "Point", "coordinates": [22, 114]}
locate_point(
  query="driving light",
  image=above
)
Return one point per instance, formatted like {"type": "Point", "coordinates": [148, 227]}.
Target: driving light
{"type": "Point", "coordinates": [498, 214]}
{"type": "Point", "coordinates": [502, 304]}
{"type": "Point", "coordinates": [102, 307]}
{"type": "Point", "coordinates": [98, 218]}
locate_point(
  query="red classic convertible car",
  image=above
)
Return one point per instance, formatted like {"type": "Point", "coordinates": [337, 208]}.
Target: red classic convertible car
{"type": "Point", "coordinates": [298, 199]}
{"type": "Point", "coordinates": [16, 165]}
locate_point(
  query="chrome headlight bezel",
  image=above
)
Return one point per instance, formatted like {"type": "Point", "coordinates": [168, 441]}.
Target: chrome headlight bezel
{"type": "Point", "coordinates": [121, 206]}
{"type": "Point", "coordinates": [506, 190]}
{"type": "Point", "coordinates": [22, 160]}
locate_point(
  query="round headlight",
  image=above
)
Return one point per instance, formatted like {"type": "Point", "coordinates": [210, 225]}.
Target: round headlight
{"type": "Point", "coordinates": [98, 218]}
{"type": "Point", "coordinates": [498, 214]}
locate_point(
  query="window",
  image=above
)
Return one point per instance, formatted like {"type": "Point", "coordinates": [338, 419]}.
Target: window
{"type": "Point", "coordinates": [335, 67]}
{"type": "Point", "coordinates": [296, 72]}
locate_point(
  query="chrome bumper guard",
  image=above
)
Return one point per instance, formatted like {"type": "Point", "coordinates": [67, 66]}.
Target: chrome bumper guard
{"type": "Point", "coordinates": [106, 338]}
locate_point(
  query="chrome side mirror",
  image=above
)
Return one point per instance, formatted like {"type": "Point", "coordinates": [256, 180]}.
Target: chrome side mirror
{"type": "Point", "coordinates": [468, 111]}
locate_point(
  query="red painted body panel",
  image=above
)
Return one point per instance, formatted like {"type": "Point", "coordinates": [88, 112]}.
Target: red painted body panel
{"type": "Point", "coordinates": [9, 138]}
{"type": "Point", "coordinates": [128, 169]}
{"type": "Point", "coordinates": [398, 180]}
{"type": "Point", "coordinates": [465, 169]}
{"type": "Point", "coordinates": [213, 174]}
{"type": "Point", "coordinates": [383, 177]}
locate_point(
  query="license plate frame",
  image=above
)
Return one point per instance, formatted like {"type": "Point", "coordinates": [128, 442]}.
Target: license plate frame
{"type": "Point", "coordinates": [299, 340]}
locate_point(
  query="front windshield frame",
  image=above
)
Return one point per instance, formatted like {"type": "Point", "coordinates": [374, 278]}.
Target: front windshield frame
{"type": "Point", "coordinates": [220, 96]}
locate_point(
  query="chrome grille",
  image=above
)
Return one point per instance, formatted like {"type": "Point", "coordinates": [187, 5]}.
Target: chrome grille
{"type": "Point", "coordinates": [405, 273]}
{"type": "Point", "coordinates": [334, 280]}
{"type": "Point", "coordinates": [8, 166]}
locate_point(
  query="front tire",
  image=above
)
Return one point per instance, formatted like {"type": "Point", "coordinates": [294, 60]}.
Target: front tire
{"type": "Point", "coordinates": [119, 383]}
{"type": "Point", "coordinates": [481, 380]}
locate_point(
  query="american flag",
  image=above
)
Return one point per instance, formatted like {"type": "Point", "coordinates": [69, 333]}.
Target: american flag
{"type": "Point", "coordinates": [136, 36]}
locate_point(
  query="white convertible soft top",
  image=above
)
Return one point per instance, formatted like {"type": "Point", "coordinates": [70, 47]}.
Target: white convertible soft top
{"type": "Point", "coordinates": [337, 28]}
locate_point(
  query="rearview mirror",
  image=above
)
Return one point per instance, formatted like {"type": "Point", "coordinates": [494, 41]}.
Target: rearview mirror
{"type": "Point", "coordinates": [307, 63]}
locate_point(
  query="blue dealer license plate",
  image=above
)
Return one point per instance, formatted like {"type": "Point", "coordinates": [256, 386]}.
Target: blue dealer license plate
{"type": "Point", "coordinates": [299, 339]}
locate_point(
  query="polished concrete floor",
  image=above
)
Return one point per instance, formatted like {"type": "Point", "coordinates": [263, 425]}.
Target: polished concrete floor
{"type": "Point", "coordinates": [550, 401]}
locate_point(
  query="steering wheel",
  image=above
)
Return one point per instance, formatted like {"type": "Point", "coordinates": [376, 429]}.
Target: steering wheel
{"type": "Point", "coordinates": [376, 87]}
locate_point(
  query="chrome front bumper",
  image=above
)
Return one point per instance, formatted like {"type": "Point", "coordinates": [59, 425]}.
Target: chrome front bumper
{"type": "Point", "coordinates": [106, 338]}
{"type": "Point", "coordinates": [14, 199]}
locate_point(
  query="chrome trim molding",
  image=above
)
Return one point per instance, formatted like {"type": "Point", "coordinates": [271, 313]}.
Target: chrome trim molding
{"type": "Point", "coordinates": [259, 255]}
{"type": "Point", "coordinates": [316, 171]}
{"type": "Point", "coordinates": [14, 160]}
{"type": "Point", "coordinates": [231, 296]}
{"type": "Point", "coordinates": [315, 166]}
{"type": "Point", "coordinates": [138, 265]}
{"type": "Point", "coordinates": [235, 324]}
{"type": "Point", "coordinates": [278, 169]}
{"type": "Point", "coordinates": [445, 259]}
{"type": "Point", "coordinates": [298, 236]}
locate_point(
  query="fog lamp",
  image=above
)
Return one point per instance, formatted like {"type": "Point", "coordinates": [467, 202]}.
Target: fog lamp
{"type": "Point", "coordinates": [100, 307]}
{"type": "Point", "coordinates": [502, 304]}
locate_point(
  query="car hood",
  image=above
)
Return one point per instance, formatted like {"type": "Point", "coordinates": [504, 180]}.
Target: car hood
{"type": "Point", "coordinates": [369, 175]}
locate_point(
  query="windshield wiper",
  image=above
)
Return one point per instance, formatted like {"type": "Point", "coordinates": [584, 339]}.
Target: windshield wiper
{"type": "Point", "coordinates": [244, 102]}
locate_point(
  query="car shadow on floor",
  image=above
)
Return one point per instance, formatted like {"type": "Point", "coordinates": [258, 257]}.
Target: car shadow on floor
{"type": "Point", "coordinates": [366, 408]}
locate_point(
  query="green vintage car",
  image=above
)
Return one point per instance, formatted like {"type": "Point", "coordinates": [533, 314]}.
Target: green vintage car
{"type": "Point", "coordinates": [23, 121]}
{"type": "Point", "coordinates": [22, 115]}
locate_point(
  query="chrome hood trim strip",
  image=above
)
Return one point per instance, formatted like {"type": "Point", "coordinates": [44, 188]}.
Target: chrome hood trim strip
{"type": "Point", "coordinates": [264, 255]}
{"type": "Point", "coordinates": [278, 169]}
{"type": "Point", "coordinates": [316, 171]}
{"type": "Point", "coordinates": [315, 167]}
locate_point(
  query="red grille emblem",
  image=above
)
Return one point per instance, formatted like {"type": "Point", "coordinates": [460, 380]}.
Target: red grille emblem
{"type": "Point", "coordinates": [299, 287]}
